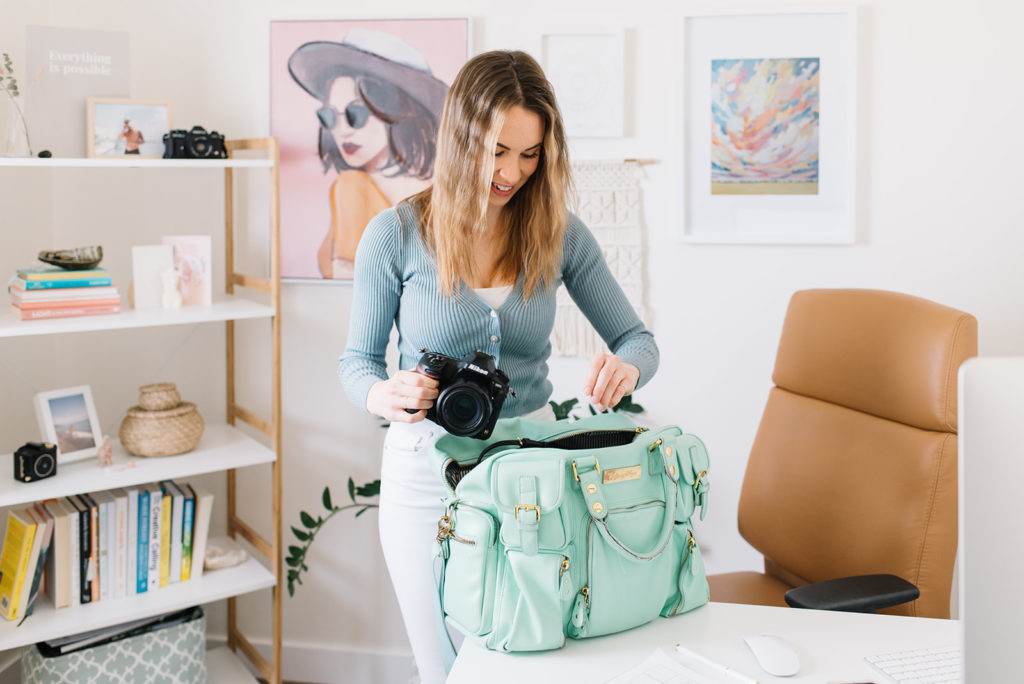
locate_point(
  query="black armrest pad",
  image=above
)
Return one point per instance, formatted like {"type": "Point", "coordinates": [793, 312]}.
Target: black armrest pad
{"type": "Point", "coordinates": [860, 594]}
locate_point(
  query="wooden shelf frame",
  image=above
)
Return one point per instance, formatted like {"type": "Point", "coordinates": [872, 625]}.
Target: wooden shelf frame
{"type": "Point", "coordinates": [238, 528]}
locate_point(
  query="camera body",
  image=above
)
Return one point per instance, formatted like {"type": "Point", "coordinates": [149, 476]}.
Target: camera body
{"type": "Point", "coordinates": [471, 392]}
{"type": "Point", "coordinates": [195, 143]}
{"type": "Point", "coordinates": [35, 461]}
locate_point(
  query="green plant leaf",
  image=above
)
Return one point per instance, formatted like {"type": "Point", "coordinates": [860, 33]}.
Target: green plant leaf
{"type": "Point", "coordinates": [352, 489]}
{"type": "Point", "coordinates": [361, 511]}
{"type": "Point", "coordinates": [300, 535]}
{"type": "Point", "coordinates": [327, 498]}
{"type": "Point", "coordinates": [307, 520]}
{"type": "Point", "coordinates": [294, 562]}
{"type": "Point", "coordinates": [296, 551]}
{"type": "Point", "coordinates": [369, 489]}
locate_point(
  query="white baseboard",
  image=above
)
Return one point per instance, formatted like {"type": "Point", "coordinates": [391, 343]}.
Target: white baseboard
{"type": "Point", "coordinates": [320, 664]}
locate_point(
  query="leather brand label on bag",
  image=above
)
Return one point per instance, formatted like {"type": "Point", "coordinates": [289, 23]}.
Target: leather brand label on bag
{"type": "Point", "coordinates": [622, 474]}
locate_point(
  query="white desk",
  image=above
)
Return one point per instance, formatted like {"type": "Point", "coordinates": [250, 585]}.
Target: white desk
{"type": "Point", "coordinates": [831, 646]}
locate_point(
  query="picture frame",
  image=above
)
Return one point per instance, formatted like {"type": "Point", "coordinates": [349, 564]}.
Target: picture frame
{"type": "Point", "coordinates": [67, 418]}
{"type": "Point", "coordinates": [329, 151]}
{"type": "Point", "coordinates": [767, 127]}
{"type": "Point", "coordinates": [124, 128]}
{"type": "Point", "coordinates": [587, 70]}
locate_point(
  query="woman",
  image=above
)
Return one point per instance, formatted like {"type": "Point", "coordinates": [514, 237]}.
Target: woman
{"type": "Point", "coordinates": [377, 126]}
{"type": "Point", "coordinates": [473, 263]}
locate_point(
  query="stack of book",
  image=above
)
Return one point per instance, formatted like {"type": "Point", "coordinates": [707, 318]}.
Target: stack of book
{"type": "Point", "coordinates": [58, 293]}
{"type": "Point", "coordinates": [104, 545]}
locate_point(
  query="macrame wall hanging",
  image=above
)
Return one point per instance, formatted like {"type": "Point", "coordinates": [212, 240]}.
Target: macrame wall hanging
{"type": "Point", "coordinates": [609, 203]}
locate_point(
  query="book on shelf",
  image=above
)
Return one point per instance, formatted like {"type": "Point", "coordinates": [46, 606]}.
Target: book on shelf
{"type": "Point", "coordinates": [201, 528]}
{"type": "Point", "coordinates": [58, 273]}
{"type": "Point", "coordinates": [87, 547]}
{"type": "Point", "coordinates": [33, 305]}
{"type": "Point", "coordinates": [177, 524]}
{"type": "Point", "coordinates": [119, 586]}
{"type": "Point", "coordinates": [16, 287]}
{"type": "Point", "coordinates": [14, 559]}
{"type": "Point", "coordinates": [131, 540]}
{"type": "Point", "coordinates": [187, 522]}
{"type": "Point", "coordinates": [44, 285]}
{"type": "Point", "coordinates": [67, 312]}
{"type": "Point", "coordinates": [40, 549]}
{"type": "Point", "coordinates": [156, 508]}
{"type": "Point", "coordinates": [142, 555]}
{"type": "Point", "coordinates": [74, 552]}
{"type": "Point", "coordinates": [58, 567]}
{"type": "Point", "coordinates": [104, 514]}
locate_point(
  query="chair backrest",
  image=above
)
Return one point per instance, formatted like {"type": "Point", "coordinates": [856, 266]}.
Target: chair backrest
{"type": "Point", "coordinates": [853, 469]}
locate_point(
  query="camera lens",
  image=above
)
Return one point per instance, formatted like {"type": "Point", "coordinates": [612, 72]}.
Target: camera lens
{"type": "Point", "coordinates": [44, 465]}
{"type": "Point", "coordinates": [463, 409]}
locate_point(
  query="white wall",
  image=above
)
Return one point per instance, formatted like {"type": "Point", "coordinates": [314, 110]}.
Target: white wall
{"type": "Point", "coordinates": [939, 155]}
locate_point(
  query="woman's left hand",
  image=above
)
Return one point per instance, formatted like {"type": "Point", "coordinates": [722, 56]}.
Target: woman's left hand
{"type": "Point", "coordinates": [609, 378]}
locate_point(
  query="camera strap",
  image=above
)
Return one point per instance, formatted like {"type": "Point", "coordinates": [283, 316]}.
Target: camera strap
{"type": "Point", "coordinates": [591, 439]}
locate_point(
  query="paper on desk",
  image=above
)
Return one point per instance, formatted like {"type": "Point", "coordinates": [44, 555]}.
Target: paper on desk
{"type": "Point", "coordinates": [660, 668]}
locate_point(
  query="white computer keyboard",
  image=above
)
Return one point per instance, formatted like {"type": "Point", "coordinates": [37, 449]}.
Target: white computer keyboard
{"type": "Point", "coordinates": [923, 666]}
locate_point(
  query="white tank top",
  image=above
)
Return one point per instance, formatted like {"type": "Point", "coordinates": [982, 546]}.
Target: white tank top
{"type": "Point", "coordinates": [495, 296]}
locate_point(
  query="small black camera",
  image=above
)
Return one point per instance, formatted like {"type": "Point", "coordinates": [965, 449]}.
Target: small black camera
{"type": "Point", "coordinates": [472, 390]}
{"type": "Point", "coordinates": [35, 461]}
{"type": "Point", "coordinates": [195, 143]}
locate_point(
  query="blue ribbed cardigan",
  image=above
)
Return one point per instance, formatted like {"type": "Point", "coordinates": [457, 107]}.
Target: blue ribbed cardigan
{"type": "Point", "coordinates": [395, 284]}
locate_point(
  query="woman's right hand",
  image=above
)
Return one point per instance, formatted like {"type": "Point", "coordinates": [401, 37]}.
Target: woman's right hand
{"type": "Point", "coordinates": [406, 389]}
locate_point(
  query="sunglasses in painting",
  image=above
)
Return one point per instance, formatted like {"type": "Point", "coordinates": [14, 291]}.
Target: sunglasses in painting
{"type": "Point", "coordinates": [356, 114]}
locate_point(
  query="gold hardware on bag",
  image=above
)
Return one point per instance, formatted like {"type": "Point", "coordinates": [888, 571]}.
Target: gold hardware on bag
{"type": "Point", "coordinates": [668, 451]}
{"type": "Point", "coordinates": [696, 484]}
{"type": "Point", "coordinates": [622, 474]}
{"type": "Point", "coordinates": [528, 507]}
{"type": "Point", "coordinates": [598, 507]}
{"type": "Point", "coordinates": [444, 531]}
{"type": "Point", "coordinates": [597, 467]}
{"type": "Point", "coordinates": [657, 443]}
{"type": "Point", "coordinates": [672, 470]}
{"type": "Point", "coordinates": [592, 488]}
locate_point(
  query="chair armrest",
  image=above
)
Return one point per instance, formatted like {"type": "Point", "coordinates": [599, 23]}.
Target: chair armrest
{"type": "Point", "coordinates": [860, 594]}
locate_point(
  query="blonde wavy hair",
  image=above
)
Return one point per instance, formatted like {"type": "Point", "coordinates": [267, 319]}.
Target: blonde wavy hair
{"type": "Point", "coordinates": [454, 209]}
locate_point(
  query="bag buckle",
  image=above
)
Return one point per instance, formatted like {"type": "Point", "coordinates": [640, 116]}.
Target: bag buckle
{"type": "Point", "coordinates": [528, 507]}
{"type": "Point", "coordinates": [597, 467]}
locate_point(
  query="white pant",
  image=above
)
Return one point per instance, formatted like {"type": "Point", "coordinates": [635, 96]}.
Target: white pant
{"type": "Point", "coordinates": [411, 502]}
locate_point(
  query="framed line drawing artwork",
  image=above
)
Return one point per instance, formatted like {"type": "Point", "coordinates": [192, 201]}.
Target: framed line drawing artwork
{"type": "Point", "coordinates": [355, 105]}
{"type": "Point", "coordinates": [67, 418]}
{"type": "Point", "coordinates": [587, 70]}
{"type": "Point", "coordinates": [125, 128]}
{"type": "Point", "coordinates": [768, 127]}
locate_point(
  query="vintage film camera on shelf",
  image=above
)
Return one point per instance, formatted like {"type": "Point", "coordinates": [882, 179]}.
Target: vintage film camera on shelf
{"type": "Point", "coordinates": [35, 461]}
{"type": "Point", "coordinates": [472, 390]}
{"type": "Point", "coordinates": [196, 143]}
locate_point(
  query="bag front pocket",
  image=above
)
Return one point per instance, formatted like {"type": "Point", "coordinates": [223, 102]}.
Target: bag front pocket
{"type": "Point", "coordinates": [530, 612]}
{"type": "Point", "coordinates": [470, 570]}
{"type": "Point", "coordinates": [625, 592]}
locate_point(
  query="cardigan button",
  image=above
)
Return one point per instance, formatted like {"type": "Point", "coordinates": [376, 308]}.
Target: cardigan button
{"type": "Point", "coordinates": [494, 338]}
{"type": "Point", "coordinates": [494, 314]}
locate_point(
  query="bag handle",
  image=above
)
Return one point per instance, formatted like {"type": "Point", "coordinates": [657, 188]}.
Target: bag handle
{"type": "Point", "coordinates": [591, 439]}
{"type": "Point", "coordinates": [588, 473]}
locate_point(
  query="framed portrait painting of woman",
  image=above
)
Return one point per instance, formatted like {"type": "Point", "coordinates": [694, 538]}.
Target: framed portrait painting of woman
{"type": "Point", "coordinates": [355, 106]}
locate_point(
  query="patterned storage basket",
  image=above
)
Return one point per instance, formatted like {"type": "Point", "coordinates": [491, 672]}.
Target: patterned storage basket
{"type": "Point", "coordinates": [170, 655]}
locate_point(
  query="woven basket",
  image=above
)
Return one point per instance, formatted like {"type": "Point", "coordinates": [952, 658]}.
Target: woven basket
{"type": "Point", "coordinates": [161, 433]}
{"type": "Point", "coordinates": [159, 396]}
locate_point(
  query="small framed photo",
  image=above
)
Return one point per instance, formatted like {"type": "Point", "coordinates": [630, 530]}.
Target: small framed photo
{"type": "Point", "coordinates": [117, 127]}
{"type": "Point", "coordinates": [67, 418]}
{"type": "Point", "coordinates": [587, 70]}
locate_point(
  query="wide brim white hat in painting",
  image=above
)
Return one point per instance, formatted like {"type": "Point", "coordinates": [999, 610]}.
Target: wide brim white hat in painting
{"type": "Point", "coordinates": [363, 52]}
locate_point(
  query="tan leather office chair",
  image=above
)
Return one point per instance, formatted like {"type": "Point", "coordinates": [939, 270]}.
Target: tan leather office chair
{"type": "Point", "coordinates": [854, 467]}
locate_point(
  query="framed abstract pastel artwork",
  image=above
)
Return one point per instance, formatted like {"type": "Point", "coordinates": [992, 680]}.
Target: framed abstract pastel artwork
{"type": "Point", "coordinates": [768, 127]}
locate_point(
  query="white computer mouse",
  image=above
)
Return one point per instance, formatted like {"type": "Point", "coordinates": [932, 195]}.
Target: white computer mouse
{"type": "Point", "coordinates": [773, 654]}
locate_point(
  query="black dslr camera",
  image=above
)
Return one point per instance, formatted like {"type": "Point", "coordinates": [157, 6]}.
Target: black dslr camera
{"type": "Point", "coordinates": [472, 390]}
{"type": "Point", "coordinates": [196, 143]}
{"type": "Point", "coordinates": [35, 461]}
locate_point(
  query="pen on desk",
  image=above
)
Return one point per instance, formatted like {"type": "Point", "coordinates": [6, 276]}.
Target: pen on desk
{"type": "Point", "coordinates": [718, 667]}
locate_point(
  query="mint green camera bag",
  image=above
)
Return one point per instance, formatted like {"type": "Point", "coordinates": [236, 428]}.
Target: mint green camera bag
{"type": "Point", "coordinates": [569, 529]}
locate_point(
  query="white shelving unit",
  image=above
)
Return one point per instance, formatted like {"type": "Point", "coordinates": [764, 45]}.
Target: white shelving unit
{"type": "Point", "coordinates": [223, 447]}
